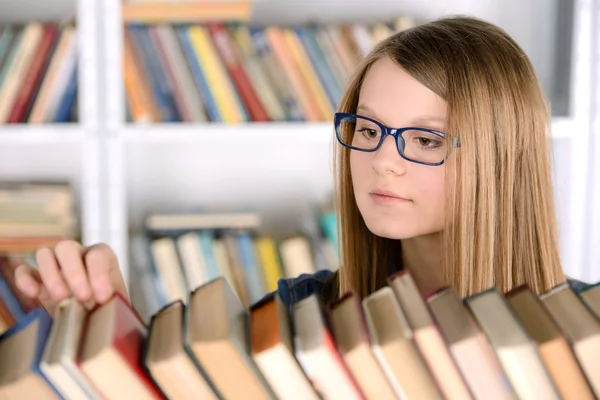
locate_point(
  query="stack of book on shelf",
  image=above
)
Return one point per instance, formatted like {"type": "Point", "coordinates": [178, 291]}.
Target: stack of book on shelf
{"type": "Point", "coordinates": [236, 72]}
{"type": "Point", "coordinates": [32, 215]}
{"type": "Point", "coordinates": [179, 252]}
{"type": "Point", "coordinates": [393, 344]}
{"type": "Point", "coordinates": [38, 73]}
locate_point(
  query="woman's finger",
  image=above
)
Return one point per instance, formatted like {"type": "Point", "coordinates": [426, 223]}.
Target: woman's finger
{"type": "Point", "coordinates": [28, 280]}
{"type": "Point", "coordinates": [99, 261]}
{"type": "Point", "coordinates": [51, 275]}
{"type": "Point", "coordinates": [69, 255]}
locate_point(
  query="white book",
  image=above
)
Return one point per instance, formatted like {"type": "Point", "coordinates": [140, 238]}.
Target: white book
{"type": "Point", "coordinates": [193, 262]}
{"type": "Point", "coordinates": [58, 362]}
{"type": "Point", "coordinates": [168, 268]}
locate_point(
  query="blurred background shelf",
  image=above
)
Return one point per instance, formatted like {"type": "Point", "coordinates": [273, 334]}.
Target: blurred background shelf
{"type": "Point", "coordinates": [275, 133]}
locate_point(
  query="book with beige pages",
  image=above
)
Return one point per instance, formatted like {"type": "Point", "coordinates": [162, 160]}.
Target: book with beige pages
{"type": "Point", "coordinates": [396, 343]}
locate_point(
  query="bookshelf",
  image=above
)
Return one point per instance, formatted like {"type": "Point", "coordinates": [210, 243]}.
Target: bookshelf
{"type": "Point", "coordinates": [61, 151]}
{"type": "Point", "coordinates": [122, 170]}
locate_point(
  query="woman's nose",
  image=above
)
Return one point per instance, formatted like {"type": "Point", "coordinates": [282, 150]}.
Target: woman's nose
{"type": "Point", "coordinates": [387, 159]}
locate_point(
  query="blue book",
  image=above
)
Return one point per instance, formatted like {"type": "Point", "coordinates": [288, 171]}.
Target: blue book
{"type": "Point", "coordinates": [328, 222]}
{"type": "Point", "coordinates": [158, 284]}
{"type": "Point", "coordinates": [11, 301]}
{"type": "Point", "coordinates": [324, 72]}
{"type": "Point", "coordinates": [158, 81]}
{"type": "Point", "coordinates": [252, 269]}
{"type": "Point", "coordinates": [198, 75]}
{"type": "Point", "coordinates": [63, 113]}
{"type": "Point", "coordinates": [207, 239]}
{"type": "Point", "coordinates": [21, 349]}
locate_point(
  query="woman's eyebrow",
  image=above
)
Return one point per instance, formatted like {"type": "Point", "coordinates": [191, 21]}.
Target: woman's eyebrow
{"type": "Point", "coordinates": [422, 119]}
{"type": "Point", "coordinates": [429, 118]}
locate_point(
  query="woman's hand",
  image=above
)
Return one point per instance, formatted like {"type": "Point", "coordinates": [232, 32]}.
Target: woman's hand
{"type": "Point", "coordinates": [90, 274]}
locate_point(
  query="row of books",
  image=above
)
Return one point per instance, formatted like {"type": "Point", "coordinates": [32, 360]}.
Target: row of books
{"type": "Point", "coordinates": [33, 214]}
{"type": "Point", "coordinates": [234, 73]}
{"type": "Point", "coordinates": [393, 344]}
{"type": "Point", "coordinates": [38, 73]}
{"type": "Point", "coordinates": [34, 210]}
{"type": "Point", "coordinates": [179, 252]}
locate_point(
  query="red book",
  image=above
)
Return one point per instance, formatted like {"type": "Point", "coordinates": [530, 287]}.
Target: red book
{"type": "Point", "coordinates": [34, 73]}
{"type": "Point", "coordinates": [231, 58]}
{"type": "Point", "coordinates": [110, 352]}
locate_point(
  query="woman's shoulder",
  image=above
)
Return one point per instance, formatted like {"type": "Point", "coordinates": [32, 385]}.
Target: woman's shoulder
{"type": "Point", "coordinates": [293, 290]}
{"type": "Point", "coordinates": [578, 286]}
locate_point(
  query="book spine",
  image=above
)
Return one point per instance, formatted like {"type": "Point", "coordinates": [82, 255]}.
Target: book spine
{"type": "Point", "coordinates": [278, 77]}
{"type": "Point", "coordinates": [169, 74]}
{"type": "Point", "coordinates": [146, 54]}
{"type": "Point", "coordinates": [64, 109]}
{"type": "Point", "coordinates": [199, 75]}
{"type": "Point", "coordinates": [231, 60]}
{"type": "Point", "coordinates": [34, 75]}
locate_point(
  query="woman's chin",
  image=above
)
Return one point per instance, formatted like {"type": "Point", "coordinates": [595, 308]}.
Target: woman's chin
{"type": "Point", "coordinates": [386, 230]}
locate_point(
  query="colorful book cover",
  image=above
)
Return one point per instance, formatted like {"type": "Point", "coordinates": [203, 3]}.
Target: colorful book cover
{"type": "Point", "coordinates": [43, 320]}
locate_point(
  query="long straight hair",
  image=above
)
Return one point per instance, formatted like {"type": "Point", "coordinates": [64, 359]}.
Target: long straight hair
{"type": "Point", "coordinates": [500, 224]}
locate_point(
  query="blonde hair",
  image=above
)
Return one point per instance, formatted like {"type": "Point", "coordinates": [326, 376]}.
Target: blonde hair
{"type": "Point", "coordinates": [500, 224]}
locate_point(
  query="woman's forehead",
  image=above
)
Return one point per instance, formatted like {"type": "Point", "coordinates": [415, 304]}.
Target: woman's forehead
{"type": "Point", "coordinates": [394, 97]}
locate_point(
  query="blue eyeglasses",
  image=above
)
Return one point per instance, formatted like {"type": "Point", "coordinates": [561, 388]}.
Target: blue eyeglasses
{"type": "Point", "coordinates": [419, 145]}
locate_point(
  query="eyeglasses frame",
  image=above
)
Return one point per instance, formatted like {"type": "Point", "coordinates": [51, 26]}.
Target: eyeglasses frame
{"type": "Point", "coordinates": [396, 133]}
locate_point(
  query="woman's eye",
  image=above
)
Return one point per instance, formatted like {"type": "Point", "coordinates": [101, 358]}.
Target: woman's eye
{"type": "Point", "coordinates": [426, 142]}
{"type": "Point", "coordinates": [369, 133]}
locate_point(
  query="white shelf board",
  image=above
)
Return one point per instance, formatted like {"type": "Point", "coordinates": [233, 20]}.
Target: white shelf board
{"type": "Point", "coordinates": [24, 134]}
{"type": "Point", "coordinates": [267, 172]}
{"type": "Point", "coordinates": [561, 128]}
{"type": "Point", "coordinates": [254, 131]}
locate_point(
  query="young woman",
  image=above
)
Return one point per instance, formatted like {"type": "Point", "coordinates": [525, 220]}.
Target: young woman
{"type": "Point", "coordinates": [442, 169]}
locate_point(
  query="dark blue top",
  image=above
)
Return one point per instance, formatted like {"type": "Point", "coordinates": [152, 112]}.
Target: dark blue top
{"type": "Point", "coordinates": [293, 290]}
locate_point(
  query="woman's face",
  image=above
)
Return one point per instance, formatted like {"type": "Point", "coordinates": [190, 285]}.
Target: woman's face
{"type": "Point", "coordinates": [398, 199]}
